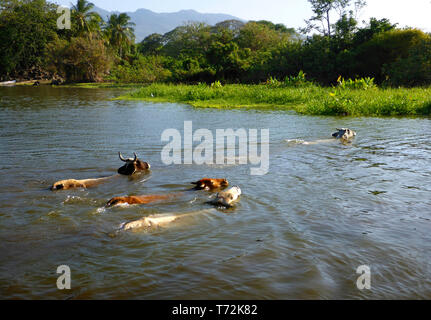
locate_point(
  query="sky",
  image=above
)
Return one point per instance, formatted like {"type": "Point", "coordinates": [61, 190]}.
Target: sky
{"type": "Point", "coordinates": [292, 13]}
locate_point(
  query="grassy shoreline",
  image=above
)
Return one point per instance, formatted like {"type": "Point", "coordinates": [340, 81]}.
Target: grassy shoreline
{"type": "Point", "coordinates": [103, 85]}
{"type": "Point", "coordinates": [310, 99]}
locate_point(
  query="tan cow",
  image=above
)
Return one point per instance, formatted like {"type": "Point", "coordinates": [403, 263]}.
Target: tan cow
{"type": "Point", "coordinates": [132, 166]}
{"type": "Point", "coordinates": [159, 220]}
{"type": "Point", "coordinates": [145, 199]}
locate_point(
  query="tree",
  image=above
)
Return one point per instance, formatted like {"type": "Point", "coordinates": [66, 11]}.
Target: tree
{"type": "Point", "coordinates": [151, 45]}
{"type": "Point", "coordinates": [26, 28]}
{"type": "Point", "coordinates": [120, 33]}
{"type": "Point", "coordinates": [323, 14]}
{"type": "Point", "coordinates": [232, 25]}
{"type": "Point", "coordinates": [228, 60]}
{"type": "Point", "coordinates": [192, 39]}
{"type": "Point", "coordinates": [277, 27]}
{"type": "Point", "coordinates": [345, 27]}
{"type": "Point", "coordinates": [8, 4]}
{"type": "Point", "coordinates": [259, 36]}
{"type": "Point", "coordinates": [414, 69]}
{"type": "Point", "coordinates": [84, 19]}
{"type": "Point", "coordinates": [386, 48]}
{"type": "Point", "coordinates": [143, 69]}
{"type": "Point", "coordinates": [374, 27]}
{"type": "Point", "coordinates": [84, 58]}
{"type": "Point", "coordinates": [319, 59]}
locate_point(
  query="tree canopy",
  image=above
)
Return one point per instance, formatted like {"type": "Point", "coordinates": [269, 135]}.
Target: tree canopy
{"type": "Point", "coordinates": [335, 45]}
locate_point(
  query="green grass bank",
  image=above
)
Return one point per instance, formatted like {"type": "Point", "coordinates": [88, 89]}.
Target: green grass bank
{"type": "Point", "coordinates": [310, 99]}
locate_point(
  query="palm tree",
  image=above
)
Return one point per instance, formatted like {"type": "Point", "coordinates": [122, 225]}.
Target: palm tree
{"type": "Point", "coordinates": [119, 32]}
{"type": "Point", "coordinates": [85, 19]}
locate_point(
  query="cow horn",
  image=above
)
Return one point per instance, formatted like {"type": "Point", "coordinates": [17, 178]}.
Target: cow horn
{"type": "Point", "coordinates": [121, 157]}
{"type": "Point", "coordinates": [136, 157]}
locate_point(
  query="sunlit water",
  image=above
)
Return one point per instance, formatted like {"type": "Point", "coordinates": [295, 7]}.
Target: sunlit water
{"type": "Point", "coordinates": [299, 232]}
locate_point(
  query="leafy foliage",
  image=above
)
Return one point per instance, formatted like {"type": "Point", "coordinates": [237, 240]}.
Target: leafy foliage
{"type": "Point", "coordinates": [229, 52]}
{"type": "Point", "coordinates": [80, 59]}
{"type": "Point", "coordinates": [120, 33]}
{"type": "Point", "coordinates": [357, 84]}
{"type": "Point", "coordinates": [143, 69]}
{"type": "Point", "coordinates": [84, 19]}
{"type": "Point", "coordinates": [26, 28]}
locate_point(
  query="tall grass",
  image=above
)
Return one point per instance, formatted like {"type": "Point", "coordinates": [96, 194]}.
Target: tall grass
{"type": "Point", "coordinates": [309, 99]}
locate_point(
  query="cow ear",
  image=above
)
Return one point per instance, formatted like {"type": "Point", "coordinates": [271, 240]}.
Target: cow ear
{"type": "Point", "coordinates": [195, 183]}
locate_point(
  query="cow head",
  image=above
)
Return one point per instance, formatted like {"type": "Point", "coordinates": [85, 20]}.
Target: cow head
{"type": "Point", "coordinates": [344, 134]}
{"type": "Point", "coordinates": [132, 165]}
{"type": "Point", "coordinates": [228, 198]}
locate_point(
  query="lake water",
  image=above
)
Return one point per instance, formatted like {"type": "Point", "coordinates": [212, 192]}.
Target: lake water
{"type": "Point", "coordinates": [298, 232]}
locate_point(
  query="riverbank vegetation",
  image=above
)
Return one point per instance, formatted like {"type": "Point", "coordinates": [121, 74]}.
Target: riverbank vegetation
{"type": "Point", "coordinates": [359, 98]}
{"type": "Point", "coordinates": [333, 43]}
{"type": "Point", "coordinates": [231, 64]}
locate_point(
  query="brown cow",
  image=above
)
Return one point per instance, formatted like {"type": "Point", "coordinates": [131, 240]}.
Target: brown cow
{"type": "Point", "coordinates": [204, 184]}
{"type": "Point", "coordinates": [132, 165]}
{"type": "Point", "coordinates": [211, 184]}
{"type": "Point", "coordinates": [147, 199]}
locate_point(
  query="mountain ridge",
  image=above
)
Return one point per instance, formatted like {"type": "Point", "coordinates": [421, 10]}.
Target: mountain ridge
{"type": "Point", "coordinates": [148, 22]}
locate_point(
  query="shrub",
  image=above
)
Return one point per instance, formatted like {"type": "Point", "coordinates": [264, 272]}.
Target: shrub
{"type": "Point", "coordinates": [297, 81]}
{"type": "Point", "coordinates": [413, 70]}
{"type": "Point", "coordinates": [359, 84]}
{"type": "Point", "coordinates": [216, 85]}
{"type": "Point", "coordinates": [273, 82]}
{"type": "Point", "coordinates": [143, 69]}
{"type": "Point", "coordinates": [82, 59]}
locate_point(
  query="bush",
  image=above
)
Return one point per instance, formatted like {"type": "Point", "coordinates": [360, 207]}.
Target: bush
{"type": "Point", "coordinates": [385, 49]}
{"type": "Point", "coordinates": [143, 69]}
{"type": "Point", "coordinates": [289, 81]}
{"type": "Point", "coordinates": [359, 84]}
{"type": "Point", "coordinates": [83, 59]}
{"type": "Point", "coordinates": [297, 81]}
{"type": "Point", "coordinates": [216, 85]}
{"type": "Point", "coordinates": [273, 82]}
{"type": "Point", "coordinates": [413, 70]}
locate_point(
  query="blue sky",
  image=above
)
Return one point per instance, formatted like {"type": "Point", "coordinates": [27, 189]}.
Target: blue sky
{"type": "Point", "coordinates": [414, 13]}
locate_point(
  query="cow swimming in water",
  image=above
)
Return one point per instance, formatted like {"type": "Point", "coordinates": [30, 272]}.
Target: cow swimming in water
{"type": "Point", "coordinates": [344, 135]}
{"type": "Point", "coordinates": [203, 184]}
{"type": "Point", "coordinates": [131, 166]}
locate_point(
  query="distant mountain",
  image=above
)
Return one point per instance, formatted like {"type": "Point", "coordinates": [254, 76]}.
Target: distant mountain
{"type": "Point", "coordinates": [148, 22]}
